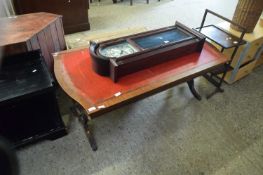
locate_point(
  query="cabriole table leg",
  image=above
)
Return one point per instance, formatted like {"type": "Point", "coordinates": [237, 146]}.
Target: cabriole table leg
{"type": "Point", "coordinates": [85, 120]}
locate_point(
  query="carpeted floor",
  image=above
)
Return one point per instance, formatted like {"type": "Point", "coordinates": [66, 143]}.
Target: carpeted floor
{"type": "Point", "coordinates": [169, 133]}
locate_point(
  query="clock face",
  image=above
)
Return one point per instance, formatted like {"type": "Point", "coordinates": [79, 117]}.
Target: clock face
{"type": "Point", "coordinates": [118, 50]}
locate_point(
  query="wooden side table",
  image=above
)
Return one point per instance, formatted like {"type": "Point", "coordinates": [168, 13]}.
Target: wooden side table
{"type": "Point", "coordinates": [34, 31]}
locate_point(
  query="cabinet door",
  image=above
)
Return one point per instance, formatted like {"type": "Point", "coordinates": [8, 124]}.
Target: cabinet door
{"type": "Point", "coordinates": [74, 12]}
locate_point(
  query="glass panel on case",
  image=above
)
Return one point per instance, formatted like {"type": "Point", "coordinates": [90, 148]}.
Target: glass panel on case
{"type": "Point", "coordinates": [162, 38]}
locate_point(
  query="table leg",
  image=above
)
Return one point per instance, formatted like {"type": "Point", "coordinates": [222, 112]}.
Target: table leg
{"type": "Point", "coordinates": [114, 1]}
{"type": "Point", "coordinates": [87, 125]}
{"type": "Point", "coordinates": [88, 130]}
{"type": "Point", "coordinates": [193, 90]}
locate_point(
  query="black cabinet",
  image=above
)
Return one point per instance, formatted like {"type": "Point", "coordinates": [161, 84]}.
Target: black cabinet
{"type": "Point", "coordinates": [28, 105]}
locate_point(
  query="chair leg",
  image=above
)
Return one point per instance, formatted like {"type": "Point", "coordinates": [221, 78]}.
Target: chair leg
{"type": "Point", "coordinates": [131, 2]}
{"type": "Point", "coordinates": [147, 1]}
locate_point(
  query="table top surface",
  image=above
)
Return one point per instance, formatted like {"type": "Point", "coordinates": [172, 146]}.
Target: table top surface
{"type": "Point", "coordinates": [98, 94]}
{"type": "Point", "coordinates": [21, 28]}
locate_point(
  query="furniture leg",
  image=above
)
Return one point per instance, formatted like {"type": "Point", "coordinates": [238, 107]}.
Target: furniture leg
{"type": "Point", "coordinates": [216, 84]}
{"type": "Point", "coordinates": [147, 1]}
{"type": "Point", "coordinates": [87, 125]}
{"type": "Point", "coordinates": [131, 2]}
{"type": "Point", "coordinates": [88, 131]}
{"type": "Point", "coordinates": [193, 90]}
{"type": "Point", "coordinates": [114, 1]}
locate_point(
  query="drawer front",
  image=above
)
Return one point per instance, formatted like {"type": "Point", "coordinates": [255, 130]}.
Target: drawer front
{"type": "Point", "coordinates": [255, 45]}
{"type": "Point", "coordinates": [247, 59]}
{"type": "Point", "coordinates": [259, 61]}
{"type": "Point", "coordinates": [245, 70]}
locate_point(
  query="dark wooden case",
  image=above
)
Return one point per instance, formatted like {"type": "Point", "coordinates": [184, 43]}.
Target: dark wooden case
{"type": "Point", "coordinates": [28, 106]}
{"type": "Point", "coordinates": [145, 57]}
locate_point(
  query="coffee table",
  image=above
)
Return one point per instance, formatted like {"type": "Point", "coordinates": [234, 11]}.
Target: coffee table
{"type": "Point", "coordinates": [95, 95]}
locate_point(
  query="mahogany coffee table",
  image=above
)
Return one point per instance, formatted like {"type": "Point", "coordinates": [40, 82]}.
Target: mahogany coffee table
{"type": "Point", "coordinates": [96, 95]}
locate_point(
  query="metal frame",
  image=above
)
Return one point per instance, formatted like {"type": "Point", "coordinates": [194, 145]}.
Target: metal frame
{"type": "Point", "coordinates": [213, 76]}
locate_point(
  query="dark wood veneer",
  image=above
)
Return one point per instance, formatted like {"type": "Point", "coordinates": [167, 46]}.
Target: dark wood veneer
{"type": "Point", "coordinates": [74, 12]}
